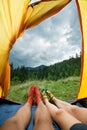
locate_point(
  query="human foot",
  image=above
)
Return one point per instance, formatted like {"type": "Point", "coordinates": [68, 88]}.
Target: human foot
{"type": "Point", "coordinates": [31, 95]}
{"type": "Point", "coordinates": [50, 95]}
{"type": "Point", "coordinates": [38, 98]}
{"type": "Point", "coordinates": [43, 94]}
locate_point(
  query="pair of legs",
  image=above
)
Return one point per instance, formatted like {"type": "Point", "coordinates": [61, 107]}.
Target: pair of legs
{"type": "Point", "coordinates": [21, 119]}
{"type": "Point", "coordinates": [65, 114]}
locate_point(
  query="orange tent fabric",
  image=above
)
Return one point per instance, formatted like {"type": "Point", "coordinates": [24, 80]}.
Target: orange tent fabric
{"type": "Point", "coordinates": [82, 11]}
{"type": "Point", "coordinates": [15, 18]}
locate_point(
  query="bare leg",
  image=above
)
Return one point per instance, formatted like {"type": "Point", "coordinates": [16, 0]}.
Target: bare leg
{"type": "Point", "coordinates": [79, 113]}
{"type": "Point", "coordinates": [57, 102]}
{"type": "Point", "coordinates": [20, 120]}
{"type": "Point", "coordinates": [60, 103]}
{"type": "Point", "coordinates": [76, 111]}
{"type": "Point", "coordinates": [61, 116]}
{"type": "Point", "coordinates": [42, 116]}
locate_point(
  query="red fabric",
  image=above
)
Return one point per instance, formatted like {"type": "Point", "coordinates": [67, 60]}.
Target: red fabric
{"type": "Point", "coordinates": [38, 98]}
{"type": "Point", "coordinates": [34, 93]}
{"type": "Point", "coordinates": [31, 95]}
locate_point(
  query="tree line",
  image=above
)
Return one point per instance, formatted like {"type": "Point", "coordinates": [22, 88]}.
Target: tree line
{"type": "Point", "coordinates": [57, 71]}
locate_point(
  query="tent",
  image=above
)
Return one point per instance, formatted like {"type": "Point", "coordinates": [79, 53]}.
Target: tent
{"type": "Point", "coordinates": [13, 23]}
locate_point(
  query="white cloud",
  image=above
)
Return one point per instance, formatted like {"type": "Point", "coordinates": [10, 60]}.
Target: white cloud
{"type": "Point", "coordinates": [55, 39]}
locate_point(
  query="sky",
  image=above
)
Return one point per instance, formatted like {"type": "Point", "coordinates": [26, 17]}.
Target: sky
{"type": "Point", "coordinates": [56, 39]}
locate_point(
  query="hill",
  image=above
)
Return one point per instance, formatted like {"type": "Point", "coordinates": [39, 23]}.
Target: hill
{"type": "Point", "coordinates": [41, 67]}
{"type": "Point", "coordinates": [57, 71]}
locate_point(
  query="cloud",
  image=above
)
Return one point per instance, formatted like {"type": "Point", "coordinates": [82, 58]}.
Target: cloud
{"type": "Point", "coordinates": [54, 40]}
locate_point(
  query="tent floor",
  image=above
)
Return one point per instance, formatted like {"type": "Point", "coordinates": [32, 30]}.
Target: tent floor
{"type": "Point", "coordinates": [9, 108]}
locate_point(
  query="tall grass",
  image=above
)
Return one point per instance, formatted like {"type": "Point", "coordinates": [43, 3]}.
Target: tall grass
{"type": "Point", "coordinates": [65, 89]}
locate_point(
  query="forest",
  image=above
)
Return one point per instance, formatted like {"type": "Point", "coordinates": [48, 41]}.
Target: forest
{"type": "Point", "coordinates": [64, 69]}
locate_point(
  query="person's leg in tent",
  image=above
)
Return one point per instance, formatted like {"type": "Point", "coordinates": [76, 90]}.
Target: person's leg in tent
{"type": "Point", "coordinates": [42, 117]}
{"type": "Point", "coordinates": [21, 119]}
{"type": "Point", "coordinates": [76, 111]}
{"type": "Point", "coordinates": [61, 116]}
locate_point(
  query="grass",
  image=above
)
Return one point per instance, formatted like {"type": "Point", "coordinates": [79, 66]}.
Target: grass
{"type": "Point", "coordinates": [64, 89]}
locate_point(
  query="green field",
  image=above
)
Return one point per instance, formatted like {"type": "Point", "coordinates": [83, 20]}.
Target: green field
{"type": "Point", "coordinates": [65, 89]}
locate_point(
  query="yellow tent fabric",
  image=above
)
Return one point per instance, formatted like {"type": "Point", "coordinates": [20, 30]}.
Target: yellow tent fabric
{"type": "Point", "coordinates": [15, 18]}
{"type": "Point", "coordinates": [82, 10]}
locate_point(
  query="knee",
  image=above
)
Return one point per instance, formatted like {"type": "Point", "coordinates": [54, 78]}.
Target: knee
{"type": "Point", "coordinates": [59, 113]}
{"type": "Point", "coordinates": [10, 123]}
{"type": "Point", "coordinates": [74, 109]}
{"type": "Point", "coordinates": [13, 123]}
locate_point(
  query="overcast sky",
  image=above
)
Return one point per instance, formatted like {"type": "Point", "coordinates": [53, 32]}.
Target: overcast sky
{"type": "Point", "coordinates": [52, 41]}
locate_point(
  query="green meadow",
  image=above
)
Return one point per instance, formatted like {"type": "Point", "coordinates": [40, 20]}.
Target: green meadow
{"type": "Point", "coordinates": [64, 89]}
